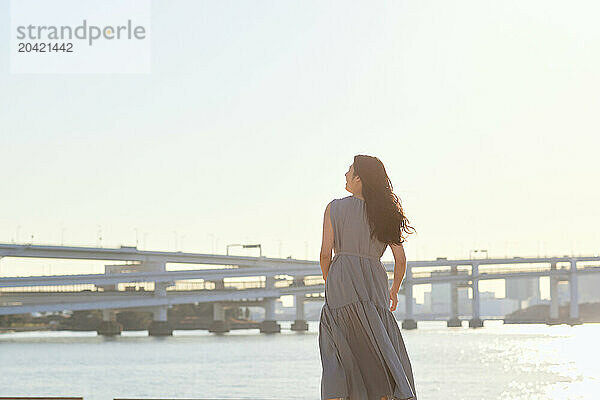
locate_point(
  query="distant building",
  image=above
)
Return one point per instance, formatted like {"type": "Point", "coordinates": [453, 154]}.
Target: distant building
{"type": "Point", "coordinates": [525, 290]}
{"type": "Point", "coordinates": [440, 298]}
{"type": "Point", "coordinates": [589, 288]}
{"type": "Point", "coordinates": [564, 293]}
{"type": "Point", "coordinates": [465, 305]}
{"type": "Point", "coordinates": [491, 306]}
{"type": "Point", "coordinates": [437, 303]}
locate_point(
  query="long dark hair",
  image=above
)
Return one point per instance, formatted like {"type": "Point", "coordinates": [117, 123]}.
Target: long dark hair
{"type": "Point", "coordinates": [384, 209]}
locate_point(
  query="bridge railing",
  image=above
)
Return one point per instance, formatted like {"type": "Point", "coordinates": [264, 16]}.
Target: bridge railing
{"type": "Point", "coordinates": [439, 272]}
{"type": "Point", "coordinates": [517, 269]}
{"type": "Point", "coordinates": [53, 289]}
{"type": "Point", "coordinates": [484, 269]}
{"type": "Point", "coordinates": [180, 285]}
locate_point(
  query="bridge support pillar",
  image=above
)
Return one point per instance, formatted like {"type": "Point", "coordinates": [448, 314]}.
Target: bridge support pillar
{"type": "Point", "coordinates": [573, 290]}
{"type": "Point", "coordinates": [219, 284]}
{"type": "Point", "coordinates": [109, 325]}
{"type": "Point", "coordinates": [454, 321]}
{"type": "Point", "coordinates": [409, 321]}
{"type": "Point", "coordinates": [160, 324]}
{"type": "Point", "coordinates": [475, 321]}
{"type": "Point", "coordinates": [554, 314]}
{"type": "Point", "coordinates": [218, 325]}
{"type": "Point", "coordinates": [409, 324]}
{"type": "Point", "coordinates": [270, 325]}
{"type": "Point", "coordinates": [300, 323]}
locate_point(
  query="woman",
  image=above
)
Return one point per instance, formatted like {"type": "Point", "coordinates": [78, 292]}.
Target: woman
{"type": "Point", "coordinates": [362, 350]}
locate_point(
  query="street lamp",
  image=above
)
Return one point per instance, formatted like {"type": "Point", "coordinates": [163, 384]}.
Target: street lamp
{"type": "Point", "coordinates": [245, 246]}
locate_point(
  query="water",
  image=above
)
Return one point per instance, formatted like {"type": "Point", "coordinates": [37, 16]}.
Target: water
{"type": "Point", "coordinates": [528, 362]}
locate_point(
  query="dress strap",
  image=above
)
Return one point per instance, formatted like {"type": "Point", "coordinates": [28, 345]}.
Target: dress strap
{"type": "Point", "coordinates": [357, 254]}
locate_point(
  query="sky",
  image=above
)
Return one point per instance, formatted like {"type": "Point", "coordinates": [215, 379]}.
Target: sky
{"type": "Point", "coordinates": [484, 113]}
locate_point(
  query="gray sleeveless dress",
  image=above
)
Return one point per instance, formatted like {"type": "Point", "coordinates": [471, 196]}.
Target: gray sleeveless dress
{"type": "Point", "coordinates": [362, 351]}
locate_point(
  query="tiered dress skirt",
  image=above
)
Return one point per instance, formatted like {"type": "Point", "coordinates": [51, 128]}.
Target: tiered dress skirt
{"type": "Point", "coordinates": [362, 351]}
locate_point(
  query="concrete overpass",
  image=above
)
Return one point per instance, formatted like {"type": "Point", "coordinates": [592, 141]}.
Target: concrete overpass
{"type": "Point", "coordinates": [275, 277]}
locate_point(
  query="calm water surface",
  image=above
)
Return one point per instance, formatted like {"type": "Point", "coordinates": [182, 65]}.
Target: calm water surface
{"type": "Point", "coordinates": [525, 362]}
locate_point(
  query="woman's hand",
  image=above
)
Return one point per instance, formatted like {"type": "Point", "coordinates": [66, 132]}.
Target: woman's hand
{"type": "Point", "coordinates": [393, 298]}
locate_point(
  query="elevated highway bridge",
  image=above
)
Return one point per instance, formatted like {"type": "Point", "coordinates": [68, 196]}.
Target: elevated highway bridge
{"type": "Point", "coordinates": [143, 282]}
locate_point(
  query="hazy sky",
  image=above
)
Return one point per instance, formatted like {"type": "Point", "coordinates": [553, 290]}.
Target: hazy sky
{"type": "Point", "coordinates": [485, 114]}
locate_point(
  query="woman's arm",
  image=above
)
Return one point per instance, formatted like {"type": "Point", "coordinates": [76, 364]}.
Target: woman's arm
{"type": "Point", "coordinates": [327, 242]}
{"type": "Point", "coordinates": [399, 265]}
